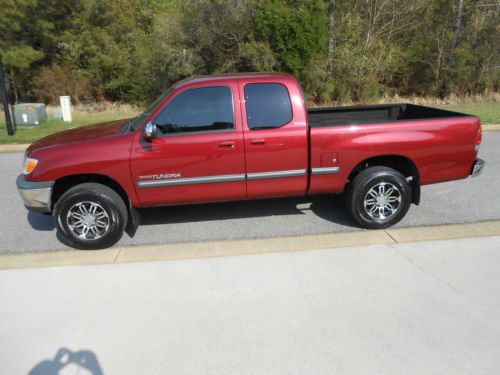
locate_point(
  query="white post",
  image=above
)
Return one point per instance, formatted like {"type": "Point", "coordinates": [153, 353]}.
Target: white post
{"type": "Point", "coordinates": [66, 108]}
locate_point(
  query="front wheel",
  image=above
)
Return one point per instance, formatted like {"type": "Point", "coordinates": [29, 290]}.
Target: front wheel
{"type": "Point", "coordinates": [379, 197]}
{"type": "Point", "coordinates": [90, 216]}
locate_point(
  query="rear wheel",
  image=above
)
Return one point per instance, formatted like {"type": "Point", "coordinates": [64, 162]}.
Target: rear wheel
{"type": "Point", "coordinates": [379, 197]}
{"type": "Point", "coordinates": [90, 216]}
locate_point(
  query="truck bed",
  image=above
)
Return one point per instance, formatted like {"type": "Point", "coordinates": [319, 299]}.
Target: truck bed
{"type": "Point", "coordinates": [369, 114]}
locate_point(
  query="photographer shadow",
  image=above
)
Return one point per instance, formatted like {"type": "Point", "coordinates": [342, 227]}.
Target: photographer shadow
{"type": "Point", "coordinates": [82, 362]}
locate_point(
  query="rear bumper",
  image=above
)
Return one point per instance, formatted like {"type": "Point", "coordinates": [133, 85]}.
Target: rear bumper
{"type": "Point", "coordinates": [37, 196]}
{"type": "Point", "coordinates": [477, 168]}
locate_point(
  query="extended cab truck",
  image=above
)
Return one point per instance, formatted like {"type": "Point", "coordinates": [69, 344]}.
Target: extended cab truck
{"type": "Point", "coordinates": [249, 136]}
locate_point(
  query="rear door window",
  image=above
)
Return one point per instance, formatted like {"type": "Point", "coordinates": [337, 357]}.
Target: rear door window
{"type": "Point", "coordinates": [203, 109]}
{"type": "Point", "coordinates": [268, 105]}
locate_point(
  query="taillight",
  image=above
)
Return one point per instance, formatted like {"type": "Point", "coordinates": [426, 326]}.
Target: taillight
{"type": "Point", "coordinates": [479, 138]}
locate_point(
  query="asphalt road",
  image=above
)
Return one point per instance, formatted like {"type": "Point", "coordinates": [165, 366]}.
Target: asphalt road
{"type": "Point", "coordinates": [470, 200]}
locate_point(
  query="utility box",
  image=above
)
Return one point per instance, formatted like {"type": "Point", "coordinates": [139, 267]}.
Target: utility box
{"type": "Point", "coordinates": [66, 108]}
{"type": "Point", "coordinates": [30, 113]}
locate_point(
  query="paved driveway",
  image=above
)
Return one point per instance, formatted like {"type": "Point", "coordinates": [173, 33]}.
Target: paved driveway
{"type": "Point", "coordinates": [425, 308]}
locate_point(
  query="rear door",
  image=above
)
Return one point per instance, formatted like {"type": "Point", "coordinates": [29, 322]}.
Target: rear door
{"type": "Point", "coordinates": [275, 139]}
{"type": "Point", "coordinates": [199, 154]}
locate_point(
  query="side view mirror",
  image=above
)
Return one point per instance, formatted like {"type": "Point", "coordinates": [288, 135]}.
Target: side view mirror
{"type": "Point", "coordinates": [150, 131]}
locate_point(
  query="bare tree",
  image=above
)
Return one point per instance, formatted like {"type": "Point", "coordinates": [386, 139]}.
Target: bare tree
{"type": "Point", "coordinates": [331, 37]}
{"type": "Point", "coordinates": [386, 19]}
{"type": "Point", "coordinates": [458, 23]}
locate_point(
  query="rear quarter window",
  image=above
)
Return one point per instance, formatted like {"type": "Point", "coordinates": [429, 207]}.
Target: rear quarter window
{"type": "Point", "coordinates": [268, 105]}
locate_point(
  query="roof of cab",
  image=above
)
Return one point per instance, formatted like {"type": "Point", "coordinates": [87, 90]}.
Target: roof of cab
{"type": "Point", "coordinates": [230, 76]}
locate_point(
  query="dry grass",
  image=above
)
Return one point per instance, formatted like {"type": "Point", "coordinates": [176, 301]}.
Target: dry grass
{"type": "Point", "coordinates": [453, 100]}
{"type": "Point", "coordinates": [486, 105]}
{"type": "Point", "coordinates": [127, 110]}
{"type": "Point", "coordinates": [490, 97]}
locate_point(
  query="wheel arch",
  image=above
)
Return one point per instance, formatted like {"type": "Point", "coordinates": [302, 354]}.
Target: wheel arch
{"type": "Point", "coordinates": [62, 184]}
{"type": "Point", "coordinates": [402, 164]}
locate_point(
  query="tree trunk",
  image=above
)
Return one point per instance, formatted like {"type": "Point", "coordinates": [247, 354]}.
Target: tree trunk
{"type": "Point", "coordinates": [14, 88]}
{"type": "Point", "coordinates": [458, 23]}
{"type": "Point", "coordinates": [331, 38]}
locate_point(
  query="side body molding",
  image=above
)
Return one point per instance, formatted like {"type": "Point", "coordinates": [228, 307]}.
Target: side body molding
{"type": "Point", "coordinates": [222, 178]}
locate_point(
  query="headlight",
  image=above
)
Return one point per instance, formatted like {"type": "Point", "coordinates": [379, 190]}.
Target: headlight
{"type": "Point", "coordinates": [29, 165]}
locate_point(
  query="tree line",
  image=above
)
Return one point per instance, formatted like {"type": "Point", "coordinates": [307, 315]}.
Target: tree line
{"type": "Point", "coordinates": [340, 50]}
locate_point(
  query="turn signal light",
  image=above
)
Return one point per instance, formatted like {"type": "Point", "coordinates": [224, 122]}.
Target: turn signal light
{"type": "Point", "coordinates": [29, 165]}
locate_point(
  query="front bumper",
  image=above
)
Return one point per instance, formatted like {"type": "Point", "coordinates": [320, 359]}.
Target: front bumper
{"type": "Point", "coordinates": [37, 196]}
{"type": "Point", "coordinates": [477, 168]}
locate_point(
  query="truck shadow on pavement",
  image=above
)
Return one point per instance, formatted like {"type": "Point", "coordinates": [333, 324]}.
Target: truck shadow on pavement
{"type": "Point", "coordinates": [80, 362]}
{"type": "Point", "coordinates": [41, 222]}
{"type": "Point", "coordinates": [329, 208]}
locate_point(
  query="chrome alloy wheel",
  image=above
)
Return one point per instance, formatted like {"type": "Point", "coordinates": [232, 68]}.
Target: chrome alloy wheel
{"type": "Point", "coordinates": [382, 201]}
{"type": "Point", "coordinates": [88, 220]}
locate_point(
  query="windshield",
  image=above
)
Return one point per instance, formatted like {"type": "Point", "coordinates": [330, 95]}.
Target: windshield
{"type": "Point", "coordinates": [134, 123]}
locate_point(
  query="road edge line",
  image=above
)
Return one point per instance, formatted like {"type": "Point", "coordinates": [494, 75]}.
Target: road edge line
{"type": "Point", "coordinates": [13, 147]}
{"type": "Point", "coordinates": [196, 250]}
{"type": "Point", "coordinates": [491, 127]}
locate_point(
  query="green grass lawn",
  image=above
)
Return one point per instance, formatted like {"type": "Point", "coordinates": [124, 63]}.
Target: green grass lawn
{"type": "Point", "coordinates": [488, 112]}
{"type": "Point", "coordinates": [28, 134]}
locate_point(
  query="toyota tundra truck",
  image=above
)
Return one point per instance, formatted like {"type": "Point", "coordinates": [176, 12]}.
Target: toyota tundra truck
{"type": "Point", "coordinates": [244, 136]}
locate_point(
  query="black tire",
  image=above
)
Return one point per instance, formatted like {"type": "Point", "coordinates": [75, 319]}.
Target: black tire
{"type": "Point", "coordinates": [107, 200]}
{"type": "Point", "coordinates": [371, 215]}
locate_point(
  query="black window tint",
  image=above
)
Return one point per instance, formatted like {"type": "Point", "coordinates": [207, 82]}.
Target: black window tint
{"type": "Point", "coordinates": [268, 105]}
{"type": "Point", "coordinates": [203, 109]}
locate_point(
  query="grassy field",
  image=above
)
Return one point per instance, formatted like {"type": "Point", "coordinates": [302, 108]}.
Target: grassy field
{"type": "Point", "coordinates": [488, 112]}
{"type": "Point", "coordinates": [28, 134]}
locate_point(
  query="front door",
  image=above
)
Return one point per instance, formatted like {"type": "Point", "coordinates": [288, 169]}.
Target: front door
{"type": "Point", "coordinates": [199, 153]}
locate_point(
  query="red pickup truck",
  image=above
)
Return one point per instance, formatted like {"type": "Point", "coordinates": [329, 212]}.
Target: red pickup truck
{"type": "Point", "coordinates": [244, 136]}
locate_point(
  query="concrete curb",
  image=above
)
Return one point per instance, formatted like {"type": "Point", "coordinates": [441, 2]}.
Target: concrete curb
{"type": "Point", "coordinates": [23, 147]}
{"type": "Point", "coordinates": [491, 128]}
{"type": "Point", "coordinates": [13, 147]}
{"type": "Point", "coordinates": [166, 252]}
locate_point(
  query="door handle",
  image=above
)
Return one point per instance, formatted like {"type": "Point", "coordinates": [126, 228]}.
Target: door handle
{"type": "Point", "coordinates": [258, 141]}
{"type": "Point", "coordinates": [227, 144]}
